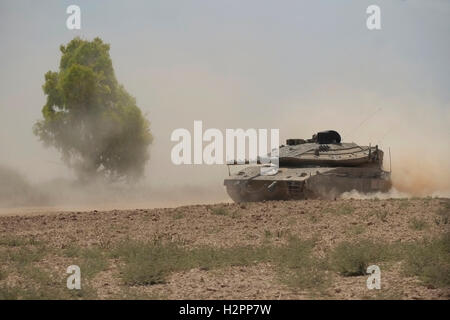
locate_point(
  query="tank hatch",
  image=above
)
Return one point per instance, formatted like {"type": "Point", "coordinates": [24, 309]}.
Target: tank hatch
{"type": "Point", "coordinates": [329, 136]}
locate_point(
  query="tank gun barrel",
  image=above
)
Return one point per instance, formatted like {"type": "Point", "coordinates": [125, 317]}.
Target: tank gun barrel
{"type": "Point", "coordinates": [246, 161]}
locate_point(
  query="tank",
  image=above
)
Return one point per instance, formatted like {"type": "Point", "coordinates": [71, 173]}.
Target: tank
{"type": "Point", "coordinates": [321, 167]}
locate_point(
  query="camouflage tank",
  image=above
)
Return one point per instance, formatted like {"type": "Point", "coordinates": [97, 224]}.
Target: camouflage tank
{"type": "Point", "coordinates": [321, 167]}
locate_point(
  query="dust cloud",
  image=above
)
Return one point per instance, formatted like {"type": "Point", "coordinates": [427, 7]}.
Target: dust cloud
{"type": "Point", "coordinates": [413, 134]}
{"type": "Point", "coordinates": [420, 158]}
{"type": "Point", "coordinates": [391, 194]}
{"type": "Point", "coordinates": [18, 195]}
{"type": "Point", "coordinates": [15, 190]}
{"type": "Point", "coordinates": [296, 67]}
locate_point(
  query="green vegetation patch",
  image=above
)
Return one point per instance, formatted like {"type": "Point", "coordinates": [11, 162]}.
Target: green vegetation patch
{"type": "Point", "coordinates": [353, 258]}
{"type": "Point", "coordinates": [152, 263]}
{"type": "Point", "coordinates": [91, 260]}
{"type": "Point", "coordinates": [23, 256]}
{"type": "Point", "coordinates": [417, 224]}
{"type": "Point", "coordinates": [17, 241]}
{"type": "Point", "coordinates": [343, 209]}
{"type": "Point", "coordinates": [429, 260]}
{"type": "Point", "coordinates": [298, 267]}
{"type": "Point", "coordinates": [220, 211]}
{"type": "Point", "coordinates": [443, 213]}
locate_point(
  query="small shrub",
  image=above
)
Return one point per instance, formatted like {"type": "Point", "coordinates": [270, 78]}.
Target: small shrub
{"type": "Point", "coordinates": [23, 256]}
{"type": "Point", "coordinates": [91, 260]}
{"type": "Point", "coordinates": [352, 259]}
{"type": "Point", "coordinates": [441, 220]}
{"type": "Point", "coordinates": [3, 274]}
{"type": "Point", "coordinates": [404, 203]}
{"type": "Point", "coordinates": [178, 215]}
{"type": "Point", "coordinates": [427, 200]}
{"type": "Point", "coordinates": [8, 293]}
{"type": "Point", "coordinates": [72, 251]}
{"type": "Point", "coordinates": [148, 263]}
{"type": "Point", "coordinates": [443, 214]}
{"type": "Point", "coordinates": [382, 215]}
{"type": "Point", "coordinates": [236, 214]}
{"type": "Point", "coordinates": [417, 224]}
{"type": "Point", "coordinates": [346, 209]}
{"type": "Point", "coordinates": [38, 275]}
{"type": "Point", "coordinates": [281, 233]}
{"type": "Point", "coordinates": [16, 241]}
{"type": "Point", "coordinates": [356, 230]}
{"type": "Point", "coordinates": [429, 260]}
{"type": "Point", "coordinates": [219, 211]}
{"type": "Point", "coordinates": [298, 267]}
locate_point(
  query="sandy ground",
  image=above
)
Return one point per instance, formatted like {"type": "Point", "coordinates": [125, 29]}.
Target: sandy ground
{"type": "Point", "coordinates": [243, 224]}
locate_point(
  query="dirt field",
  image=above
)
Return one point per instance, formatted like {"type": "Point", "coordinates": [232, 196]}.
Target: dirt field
{"type": "Point", "coordinates": [311, 249]}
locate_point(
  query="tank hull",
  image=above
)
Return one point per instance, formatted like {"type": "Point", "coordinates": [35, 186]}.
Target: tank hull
{"type": "Point", "coordinates": [307, 183]}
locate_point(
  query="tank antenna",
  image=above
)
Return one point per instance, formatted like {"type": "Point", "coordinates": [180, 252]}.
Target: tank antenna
{"type": "Point", "coordinates": [385, 134]}
{"type": "Point", "coordinates": [352, 133]}
{"type": "Point", "coordinates": [390, 162]}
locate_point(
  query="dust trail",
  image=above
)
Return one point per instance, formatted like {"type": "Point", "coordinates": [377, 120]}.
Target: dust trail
{"type": "Point", "coordinates": [392, 194]}
{"type": "Point", "coordinates": [413, 125]}
{"type": "Point", "coordinates": [15, 190]}
{"type": "Point", "coordinates": [422, 176]}
{"type": "Point", "coordinates": [19, 196]}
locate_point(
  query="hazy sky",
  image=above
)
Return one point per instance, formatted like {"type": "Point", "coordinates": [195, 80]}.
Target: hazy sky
{"type": "Point", "coordinates": [301, 66]}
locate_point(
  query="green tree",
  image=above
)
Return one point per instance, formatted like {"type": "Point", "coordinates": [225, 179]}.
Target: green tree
{"type": "Point", "coordinates": [90, 118]}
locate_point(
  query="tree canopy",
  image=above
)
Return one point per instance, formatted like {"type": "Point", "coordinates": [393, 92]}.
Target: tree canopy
{"type": "Point", "coordinates": [90, 118]}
